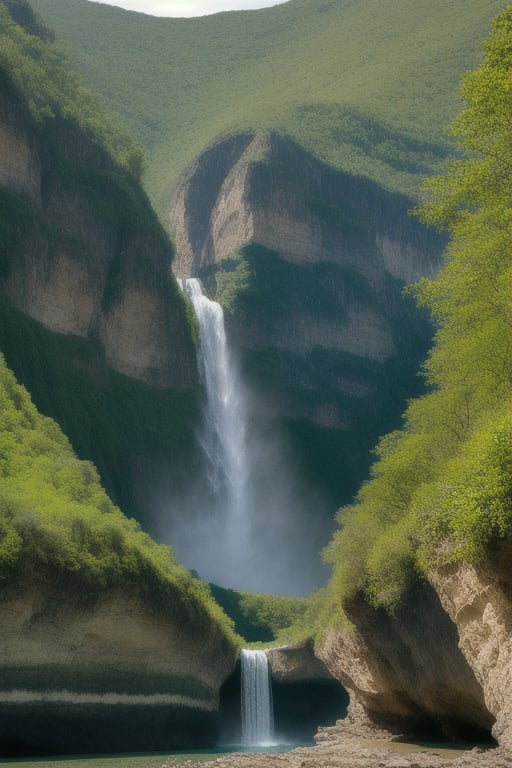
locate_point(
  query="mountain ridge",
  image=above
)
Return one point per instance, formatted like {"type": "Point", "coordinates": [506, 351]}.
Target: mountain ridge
{"type": "Point", "coordinates": [374, 103]}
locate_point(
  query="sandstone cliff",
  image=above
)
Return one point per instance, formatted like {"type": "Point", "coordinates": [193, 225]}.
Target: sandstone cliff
{"type": "Point", "coordinates": [405, 672]}
{"type": "Point", "coordinates": [84, 670]}
{"type": "Point", "coordinates": [92, 321]}
{"type": "Point", "coordinates": [478, 601]}
{"type": "Point", "coordinates": [440, 664]}
{"type": "Point", "coordinates": [96, 263]}
{"type": "Point", "coordinates": [309, 264]}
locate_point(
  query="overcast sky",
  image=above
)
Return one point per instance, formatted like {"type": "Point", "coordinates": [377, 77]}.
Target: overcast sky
{"type": "Point", "coordinates": [180, 8]}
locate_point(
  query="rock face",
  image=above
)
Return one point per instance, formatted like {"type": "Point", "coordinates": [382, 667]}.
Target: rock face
{"type": "Point", "coordinates": [296, 663]}
{"type": "Point", "coordinates": [92, 321]}
{"type": "Point", "coordinates": [109, 671]}
{"type": "Point", "coordinates": [309, 264]}
{"type": "Point", "coordinates": [94, 262]}
{"type": "Point", "coordinates": [406, 672]}
{"type": "Point", "coordinates": [479, 602]}
{"type": "Point", "coordinates": [264, 188]}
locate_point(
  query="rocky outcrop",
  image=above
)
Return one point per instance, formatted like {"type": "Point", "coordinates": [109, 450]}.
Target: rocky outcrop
{"type": "Point", "coordinates": [263, 188]}
{"type": "Point", "coordinates": [106, 671]}
{"type": "Point", "coordinates": [296, 663]}
{"type": "Point", "coordinates": [406, 672]}
{"type": "Point", "coordinates": [309, 264]}
{"type": "Point", "coordinates": [479, 602]}
{"type": "Point", "coordinates": [91, 259]}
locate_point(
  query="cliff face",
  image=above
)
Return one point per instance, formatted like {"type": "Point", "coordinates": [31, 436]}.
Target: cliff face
{"type": "Point", "coordinates": [105, 671]}
{"type": "Point", "coordinates": [96, 263]}
{"type": "Point", "coordinates": [479, 602]}
{"type": "Point", "coordinates": [441, 663]}
{"type": "Point", "coordinates": [309, 264]}
{"type": "Point", "coordinates": [92, 321]}
{"type": "Point", "coordinates": [407, 670]}
{"type": "Point", "coordinates": [264, 188]}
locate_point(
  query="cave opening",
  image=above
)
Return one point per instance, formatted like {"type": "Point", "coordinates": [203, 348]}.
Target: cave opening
{"type": "Point", "coordinates": [300, 708]}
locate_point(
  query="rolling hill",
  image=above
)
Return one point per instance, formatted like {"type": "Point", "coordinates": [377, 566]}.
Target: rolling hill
{"type": "Point", "coordinates": [368, 86]}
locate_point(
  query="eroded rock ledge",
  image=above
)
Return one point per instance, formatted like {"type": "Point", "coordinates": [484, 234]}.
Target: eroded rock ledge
{"type": "Point", "coordinates": [407, 671]}
{"type": "Point", "coordinates": [441, 663]}
{"type": "Point", "coordinates": [87, 671]}
{"type": "Point", "coordinates": [85, 254]}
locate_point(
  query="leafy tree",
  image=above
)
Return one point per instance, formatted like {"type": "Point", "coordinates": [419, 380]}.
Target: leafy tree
{"type": "Point", "coordinates": [442, 486]}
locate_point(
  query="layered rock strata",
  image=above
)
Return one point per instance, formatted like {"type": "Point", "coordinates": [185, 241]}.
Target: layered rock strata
{"type": "Point", "coordinates": [479, 602]}
{"type": "Point", "coordinates": [106, 671]}
{"type": "Point", "coordinates": [406, 672]}
{"type": "Point", "coordinates": [87, 256]}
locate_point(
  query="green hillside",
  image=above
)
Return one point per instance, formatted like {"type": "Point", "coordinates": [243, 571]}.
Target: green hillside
{"type": "Point", "coordinates": [367, 86]}
{"type": "Point", "coordinates": [441, 491]}
{"type": "Point", "coordinates": [54, 515]}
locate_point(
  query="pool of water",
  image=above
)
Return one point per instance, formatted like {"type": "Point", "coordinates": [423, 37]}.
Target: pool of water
{"type": "Point", "coordinates": [139, 760]}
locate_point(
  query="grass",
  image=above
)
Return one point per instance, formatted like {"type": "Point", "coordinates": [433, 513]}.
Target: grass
{"type": "Point", "coordinates": [367, 86]}
{"type": "Point", "coordinates": [56, 518]}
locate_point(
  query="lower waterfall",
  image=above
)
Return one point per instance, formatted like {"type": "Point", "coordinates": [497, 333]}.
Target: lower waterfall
{"type": "Point", "coordinates": [257, 711]}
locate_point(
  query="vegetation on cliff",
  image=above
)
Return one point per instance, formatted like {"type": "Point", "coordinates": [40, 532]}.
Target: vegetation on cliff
{"type": "Point", "coordinates": [54, 515]}
{"type": "Point", "coordinates": [37, 70]}
{"type": "Point", "coordinates": [374, 102]}
{"type": "Point", "coordinates": [90, 205]}
{"type": "Point", "coordinates": [441, 489]}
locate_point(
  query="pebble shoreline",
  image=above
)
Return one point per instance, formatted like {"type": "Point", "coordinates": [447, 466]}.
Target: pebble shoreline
{"type": "Point", "coordinates": [357, 753]}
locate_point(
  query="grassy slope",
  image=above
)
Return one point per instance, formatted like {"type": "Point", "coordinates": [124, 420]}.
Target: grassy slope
{"type": "Point", "coordinates": [367, 85]}
{"type": "Point", "coordinates": [55, 514]}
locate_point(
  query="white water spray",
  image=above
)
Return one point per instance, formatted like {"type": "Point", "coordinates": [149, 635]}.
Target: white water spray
{"type": "Point", "coordinates": [248, 527]}
{"type": "Point", "coordinates": [256, 698]}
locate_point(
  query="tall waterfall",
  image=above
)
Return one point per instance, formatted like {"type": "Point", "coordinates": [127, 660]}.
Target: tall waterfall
{"type": "Point", "coordinates": [257, 711]}
{"type": "Point", "coordinates": [246, 523]}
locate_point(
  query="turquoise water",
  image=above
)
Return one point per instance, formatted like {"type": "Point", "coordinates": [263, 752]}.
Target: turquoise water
{"type": "Point", "coordinates": [145, 760]}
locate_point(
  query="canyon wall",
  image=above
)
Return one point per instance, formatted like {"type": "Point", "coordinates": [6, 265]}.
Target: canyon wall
{"type": "Point", "coordinates": [94, 262]}
{"type": "Point", "coordinates": [309, 264]}
{"type": "Point", "coordinates": [440, 664]}
{"type": "Point", "coordinates": [92, 321]}
{"type": "Point", "coordinates": [85, 670]}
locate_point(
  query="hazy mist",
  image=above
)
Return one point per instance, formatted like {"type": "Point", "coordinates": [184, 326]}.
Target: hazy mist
{"type": "Point", "coordinates": [247, 521]}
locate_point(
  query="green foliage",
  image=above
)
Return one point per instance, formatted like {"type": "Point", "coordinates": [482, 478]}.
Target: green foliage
{"type": "Point", "coordinates": [55, 515]}
{"type": "Point", "coordinates": [260, 618]}
{"type": "Point", "coordinates": [234, 277]}
{"type": "Point", "coordinates": [110, 419]}
{"type": "Point", "coordinates": [274, 612]}
{"type": "Point", "coordinates": [380, 116]}
{"type": "Point", "coordinates": [37, 70]}
{"type": "Point", "coordinates": [441, 490]}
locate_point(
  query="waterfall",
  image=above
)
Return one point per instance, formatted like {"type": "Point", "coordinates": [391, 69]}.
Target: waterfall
{"type": "Point", "coordinates": [223, 436]}
{"type": "Point", "coordinates": [245, 521]}
{"type": "Point", "coordinates": [257, 712]}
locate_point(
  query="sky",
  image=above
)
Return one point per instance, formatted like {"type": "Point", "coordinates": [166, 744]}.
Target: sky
{"type": "Point", "coordinates": [182, 8]}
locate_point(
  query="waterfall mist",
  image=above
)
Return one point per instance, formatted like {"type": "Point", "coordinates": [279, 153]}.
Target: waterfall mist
{"type": "Point", "coordinates": [248, 522]}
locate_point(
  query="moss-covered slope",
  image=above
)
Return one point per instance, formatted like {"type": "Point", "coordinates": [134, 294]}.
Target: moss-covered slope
{"type": "Point", "coordinates": [99, 623]}
{"type": "Point", "coordinates": [93, 322]}
{"type": "Point", "coordinates": [367, 86]}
